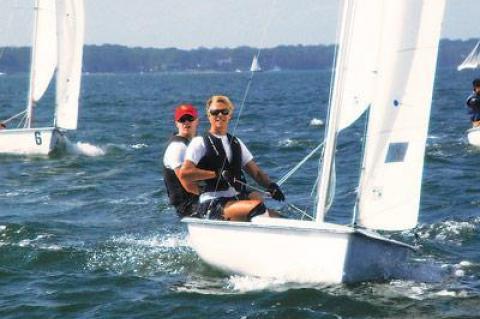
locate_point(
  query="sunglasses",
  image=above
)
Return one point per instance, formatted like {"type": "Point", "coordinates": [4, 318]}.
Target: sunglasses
{"type": "Point", "coordinates": [216, 112]}
{"type": "Point", "coordinates": [186, 118]}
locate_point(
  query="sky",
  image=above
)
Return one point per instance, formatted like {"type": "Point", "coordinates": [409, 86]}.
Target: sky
{"type": "Point", "coordinates": [189, 24]}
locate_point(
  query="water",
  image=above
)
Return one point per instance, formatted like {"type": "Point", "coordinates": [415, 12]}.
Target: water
{"type": "Point", "coordinates": [87, 233]}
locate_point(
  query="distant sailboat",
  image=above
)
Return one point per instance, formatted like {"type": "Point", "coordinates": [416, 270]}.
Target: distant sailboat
{"type": "Point", "coordinates": [255, 65]}
{"type": "Point", "coordinates": [472, 61]}
{"type": "Point", "coordinates": [57, 46]}
{"type": "Point", "coordinates": [393, 78]}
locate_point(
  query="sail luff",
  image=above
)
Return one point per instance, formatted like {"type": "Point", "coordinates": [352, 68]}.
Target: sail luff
{"type": "Point", "coordinates": [472, 61]}
{"type": "Point", "coordinates": [70, 47]}
{"type": "Point", "coordinates": [389, 193]}
{"type": "Point", "coordinates": [333, 116]}
{"type": "Point", "coordinates": [44, 53]}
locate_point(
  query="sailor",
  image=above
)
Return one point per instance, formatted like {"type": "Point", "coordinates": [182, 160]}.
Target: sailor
{"type": "Point", "coordinates": [473, 103]}
{"type": "Point", "coordinates": [219, 159]}
{"type": "Point", "coordinates": [182, 195]}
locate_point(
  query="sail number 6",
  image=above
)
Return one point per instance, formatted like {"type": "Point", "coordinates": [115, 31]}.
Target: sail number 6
{"type": "Point", "coordinates": [38, 138]}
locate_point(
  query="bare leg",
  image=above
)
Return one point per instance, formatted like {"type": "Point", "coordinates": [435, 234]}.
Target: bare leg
{"type": "Point", "coordinates": [238, 210]}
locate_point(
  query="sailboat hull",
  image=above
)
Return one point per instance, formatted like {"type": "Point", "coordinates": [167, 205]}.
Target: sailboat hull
{"type": "Point", "coordinates": [473, 136]}
{"type": "Point", "coordinates": [296, 251]}
{"type": "Point", "coordinates": [30, 141]}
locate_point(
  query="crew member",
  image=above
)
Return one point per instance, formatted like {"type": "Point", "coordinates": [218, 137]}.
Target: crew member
{"type": "Point", "coordinates": [218, 159]}
{"type": "Point", "coordinates": [182, 195]}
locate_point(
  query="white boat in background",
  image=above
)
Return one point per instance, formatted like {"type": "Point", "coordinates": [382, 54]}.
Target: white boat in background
{"type": "Point", "coordinates": [255, 67]}
{"type": "Point", "coordinates": [57, 47]}
{"type": "Point", "coordinates": [472, 61]}
{"type": "Point", "coordinates": [393, 78]}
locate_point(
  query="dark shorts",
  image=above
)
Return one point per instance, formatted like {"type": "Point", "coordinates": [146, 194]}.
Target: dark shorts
{"type": "Point", "coordinates": [187, 208]}
{"type": "Point", "coordinates": [213, 209]}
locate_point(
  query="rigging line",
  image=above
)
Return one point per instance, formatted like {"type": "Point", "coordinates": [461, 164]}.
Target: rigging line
{"type": "Point", "coordinates": [330, 97]}
{"type": "Point", "coordinates": [247, 90]}
{"type": "Point", "coordinates": [293, 170]}
{"type": "Point", "coordinates": [13, 117]}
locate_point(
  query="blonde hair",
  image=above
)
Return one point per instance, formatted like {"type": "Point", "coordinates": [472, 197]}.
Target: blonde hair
{"type": "Point", "coordinates": [219, 99]}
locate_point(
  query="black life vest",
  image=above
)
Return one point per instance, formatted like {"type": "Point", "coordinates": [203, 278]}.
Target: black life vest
{"type": "Point", "coordinates": [214, 159]}
{"type": "Point", "coordinates": [178, 196]}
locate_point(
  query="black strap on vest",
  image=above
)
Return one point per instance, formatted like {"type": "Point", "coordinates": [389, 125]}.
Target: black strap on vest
{"type": "Point", "coordinates": [215, 159]}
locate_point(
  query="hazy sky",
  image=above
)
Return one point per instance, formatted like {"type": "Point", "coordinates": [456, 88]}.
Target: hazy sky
{"type": "Point", "coordinates": [214, 23]}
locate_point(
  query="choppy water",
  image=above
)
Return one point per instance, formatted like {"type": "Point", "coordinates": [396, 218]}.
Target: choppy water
{"type": "Point", "coordinates": [88, 233]}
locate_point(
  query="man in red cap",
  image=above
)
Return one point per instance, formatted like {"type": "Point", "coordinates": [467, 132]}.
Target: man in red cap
{"type": "Point", "coordinates": [182, 195]}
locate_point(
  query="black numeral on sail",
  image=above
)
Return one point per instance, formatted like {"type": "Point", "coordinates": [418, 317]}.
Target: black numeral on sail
{"type": "Point", "coordinates": [38, 138]}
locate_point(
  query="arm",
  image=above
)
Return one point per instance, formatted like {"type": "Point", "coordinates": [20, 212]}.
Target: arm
{"type": "Point", "coordinates": [190, 173]}
{"type": "Point", "coordinates": [257, 174]}
{"type": "Point", "coordinates": [190, 187]}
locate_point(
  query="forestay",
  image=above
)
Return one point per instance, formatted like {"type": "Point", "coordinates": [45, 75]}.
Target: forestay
{"type": "Point", "coordinates": [70, 48]}
{"type": "Point", "coordinates": [472, 61]}
{"type": "Point", "coordinates": [390, 184]}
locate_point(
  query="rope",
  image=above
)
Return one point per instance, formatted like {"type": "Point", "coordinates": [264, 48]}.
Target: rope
{"type": "Point", "coordinates": [13, 117]}
{"type": "Point", "coordinates": [293, 170]}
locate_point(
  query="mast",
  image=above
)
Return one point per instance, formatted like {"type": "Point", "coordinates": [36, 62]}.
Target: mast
{"type": "Point", "coordinates": [330, 139]}
{"type": "Point", "coordinates": [30, 100]}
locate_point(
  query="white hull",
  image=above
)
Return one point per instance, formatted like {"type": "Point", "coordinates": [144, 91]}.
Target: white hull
{"type": "Point", "coordinates": [30, 141]}
{"type": "Point", "coordinates": [296, 251]}
{"type": "Point", "coordinates": [473, 136]}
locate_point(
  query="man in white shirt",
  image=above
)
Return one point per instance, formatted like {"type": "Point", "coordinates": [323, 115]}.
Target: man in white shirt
{"type": "Point", "coordinates": [219, 159]}
{"type": "Point", "coordinates": [182, 195]}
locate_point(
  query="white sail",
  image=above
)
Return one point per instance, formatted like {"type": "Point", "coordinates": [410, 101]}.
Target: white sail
{"type": "Point", "coordinates": [472, 61]}
{"type": "Point", "coordinates": [390, 184]}
{"type": "Point", "coordinates": [255, 67]}
{"type": "Point", "coordinates": [44, 49]}
{"type": "Point", "coordinates": [360, 60]}
{"type": "Point", "coordinates": [70, 49]}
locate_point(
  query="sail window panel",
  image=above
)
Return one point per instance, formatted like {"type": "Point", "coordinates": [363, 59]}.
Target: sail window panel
{"type": "Point", "coordinates": [396, 152]}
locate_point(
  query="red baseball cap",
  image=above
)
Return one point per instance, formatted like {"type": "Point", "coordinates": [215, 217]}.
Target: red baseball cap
{"type": "Point", "coordinates": [185, 109]}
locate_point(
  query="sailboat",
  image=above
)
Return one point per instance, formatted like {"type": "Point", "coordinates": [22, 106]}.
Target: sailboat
{"type": "Point", "coordinates": [472, 61]}
{"type": "Point", "coordinates": [57, 46]}
{"type": "Point", "coordinates": [255, 67]}
{"type": "Point", "coordinates": [385, 65]}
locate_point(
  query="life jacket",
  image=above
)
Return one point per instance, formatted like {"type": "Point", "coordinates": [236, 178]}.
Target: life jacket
{"type": "Point", "coordinates": [177, 195]}
{"type": "Point", "coordinates": [214, 159]}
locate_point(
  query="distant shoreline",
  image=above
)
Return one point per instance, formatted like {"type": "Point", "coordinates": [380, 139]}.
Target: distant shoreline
{"type": "Point", "coordinates": [110, 58]}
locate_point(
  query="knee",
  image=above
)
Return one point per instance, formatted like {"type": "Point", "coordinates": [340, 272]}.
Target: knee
{"type": "Point", "coordinates": [258, 209]}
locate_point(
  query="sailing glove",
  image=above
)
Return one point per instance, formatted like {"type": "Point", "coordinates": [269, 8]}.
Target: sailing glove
{"type": "Point", "coordinates": [276, 192]}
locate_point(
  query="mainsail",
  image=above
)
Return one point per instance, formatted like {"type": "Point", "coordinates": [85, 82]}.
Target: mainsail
{"type": "Point", "coordinates": [390, 184]}
{"type": "Point", "coordinates": [472, 61]}
{"type": "Point", "coordinates": [70, 47]}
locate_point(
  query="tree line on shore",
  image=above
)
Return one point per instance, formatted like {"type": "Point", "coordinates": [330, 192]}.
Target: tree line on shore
{"type": "Point", "coordinates": [121, 59]}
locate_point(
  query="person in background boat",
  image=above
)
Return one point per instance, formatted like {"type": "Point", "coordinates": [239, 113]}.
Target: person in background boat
{"type": "Point", "coordinates": [2, 126]}
{"type": "Point", "coordinates": [217, 159]}
{"type": "Point", "coordinates": [182, 195]}
{"type": "Point", "coordinates": [473, 103]}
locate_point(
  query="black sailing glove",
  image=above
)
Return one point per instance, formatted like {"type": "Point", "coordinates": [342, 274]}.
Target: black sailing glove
{"type": "Point", "coordinates": [276, 192]}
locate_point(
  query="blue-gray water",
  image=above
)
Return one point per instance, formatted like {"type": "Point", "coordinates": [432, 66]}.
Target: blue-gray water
{"type": "Point", "coordinates": [88, 233]}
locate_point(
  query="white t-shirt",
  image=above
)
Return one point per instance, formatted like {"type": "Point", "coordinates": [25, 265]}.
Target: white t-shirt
{"type": "Point", "coordinates": [197, 149]}
{"type": "Point", "coordinates": [174, 155]}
